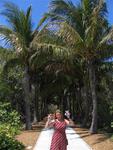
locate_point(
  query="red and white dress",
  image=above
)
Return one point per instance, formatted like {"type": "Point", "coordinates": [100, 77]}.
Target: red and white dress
{"type": "Point", "coordinates": [59, 140]}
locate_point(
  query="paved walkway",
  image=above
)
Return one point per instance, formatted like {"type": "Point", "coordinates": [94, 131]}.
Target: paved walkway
{"type": "Point", "coordinates": [74, 140]}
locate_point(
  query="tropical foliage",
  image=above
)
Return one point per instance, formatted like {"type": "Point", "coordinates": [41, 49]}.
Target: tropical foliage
{"type": "Point", "coordinates": [79, 28]}
{"type": "Point", "coordinates": [62, 63]}
{"type": "Point", "coordinates": [9, 127]}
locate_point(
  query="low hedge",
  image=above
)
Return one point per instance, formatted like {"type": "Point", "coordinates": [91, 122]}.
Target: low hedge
{"type": "Point", "coordinates": [9, 143]}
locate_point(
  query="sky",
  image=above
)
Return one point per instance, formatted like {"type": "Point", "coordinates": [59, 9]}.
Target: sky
{"type": "Point", "coordinates": [39, 7]}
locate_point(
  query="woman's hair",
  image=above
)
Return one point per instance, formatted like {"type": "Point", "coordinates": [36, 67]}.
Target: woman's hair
{"type": "Point", "coordinates": [58, 111]}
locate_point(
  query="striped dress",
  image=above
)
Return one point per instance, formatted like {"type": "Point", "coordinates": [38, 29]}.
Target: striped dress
{"type": "Point", "coordinates": [59, 140]}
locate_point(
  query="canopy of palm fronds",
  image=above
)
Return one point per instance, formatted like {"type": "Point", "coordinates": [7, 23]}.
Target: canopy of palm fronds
{"type": "Point", "coordinates": [83, 29]}
{"type": "Point", "coordinates": [19, 33]}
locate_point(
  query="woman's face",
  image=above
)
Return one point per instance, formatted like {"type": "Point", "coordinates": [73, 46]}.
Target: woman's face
{"type": "Point", "coordinates": [59, 116]}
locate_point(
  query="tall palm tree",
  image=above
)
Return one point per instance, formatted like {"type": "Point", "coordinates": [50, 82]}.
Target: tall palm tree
{"type": "Point", "coordinates": [19, 34]}
{"type": "Point", "coordinates": [85, 32]}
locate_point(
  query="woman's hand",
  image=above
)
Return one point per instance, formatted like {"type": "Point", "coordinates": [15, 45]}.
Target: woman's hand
{"type": "Point", "coordinates": [50, 122]}
{"type": "Point", "coordinates": [49, 118]}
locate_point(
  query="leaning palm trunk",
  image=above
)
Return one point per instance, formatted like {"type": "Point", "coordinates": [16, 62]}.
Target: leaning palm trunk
{"type": "Point", "coordinates": [93, 128]}
{"type": "Point", "coordinates": [26, 86]}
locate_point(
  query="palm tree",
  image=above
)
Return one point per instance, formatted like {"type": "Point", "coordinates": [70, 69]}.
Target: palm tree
{"type": "Point", "coordinates": [18, 35]}
{"type": "Point", "coordinates": [84, 31]}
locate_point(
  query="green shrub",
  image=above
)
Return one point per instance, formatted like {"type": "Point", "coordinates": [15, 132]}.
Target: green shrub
{"type": "Point", "coordinates": [8, 143]}
{"type": "Point", "coordinates": [8, 115]}
{"type": "Point", "coordinates": [9, 126]}
{"type": "Point", "coordinates": [9, 118]}
{"type": "Point", "coordinates": [8, 130]}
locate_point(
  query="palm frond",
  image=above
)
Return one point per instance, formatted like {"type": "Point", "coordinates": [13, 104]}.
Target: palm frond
{"type": "Point", "coordinates": [49, 51]}
{"type": "Point", "coordinates": [42, 20]}
{"type": "Point", "coordinates": [5, 34]}
{"type": "Point", "coordinates": [61, 35]}
{"type": "Point", "coordinates": [12, 38]}
{"type": "Point", "coordinates": [71, 36]}
{"type": "Point", "coordinates": [10, 64]}
{"type": "Point", "coordinates": [6, 54]}
{"type": "Point", "coordinates": [46, 36]}
{"type": "Point", "coordinates": [62, 7]}
{"type": "Point", "coordinates": [19, 21]}
{"type": "Point", "coordinates": [98, 25]}
{"type": "Point", "coordinates": [107, 38]}
{"type": "Point", "coordinates": [63, 10]}
{"type": "Point", "coordinates": [105, 51]}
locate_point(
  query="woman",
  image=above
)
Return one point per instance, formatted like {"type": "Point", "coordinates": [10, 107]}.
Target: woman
{"type": "Point", "coordinates": [59, 140]}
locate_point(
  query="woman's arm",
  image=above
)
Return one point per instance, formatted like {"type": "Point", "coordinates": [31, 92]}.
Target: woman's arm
{"type": "Point", "coordinates": [49, 123]}
{"type": "Point", "coordinates": [69, 122]}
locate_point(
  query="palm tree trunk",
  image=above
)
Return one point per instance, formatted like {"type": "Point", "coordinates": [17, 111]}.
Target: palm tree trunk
{"type": "Point", "coordinates": [27, 92]}
{"type": "Point", "coordinates": [33, 89]}
{"type": "Point", "coordinates": [68, 103]}
{"type": "Point", "coordinates": [85, 97]}
{"type": "Point", "coordinates": [92, 78]}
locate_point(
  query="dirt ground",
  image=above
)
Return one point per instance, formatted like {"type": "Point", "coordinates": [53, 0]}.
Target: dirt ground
{"type": "Point", "coordinates": [29, 138]}
{"type": "Point", "coordinates": [96, 141]}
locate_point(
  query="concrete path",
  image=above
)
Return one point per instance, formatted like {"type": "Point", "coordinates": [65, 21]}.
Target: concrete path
{"type": "Point", "coordinates": [74, 140]}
